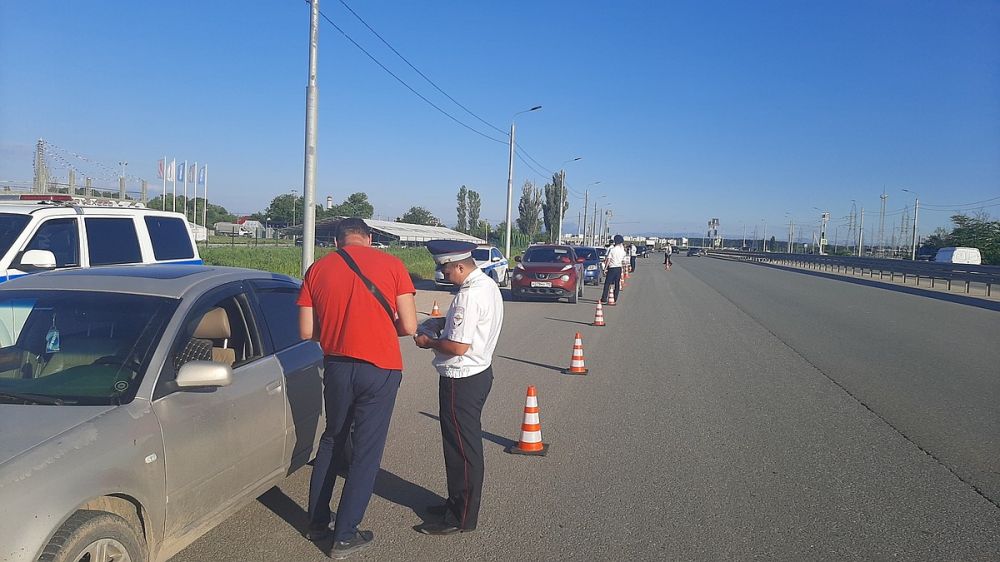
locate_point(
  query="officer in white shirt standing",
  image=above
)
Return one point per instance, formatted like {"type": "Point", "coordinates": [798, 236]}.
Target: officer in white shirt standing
{"type": "Point", "coordinates": [463, 356]}
{"type": "Point", "coordinates": [614, 261]}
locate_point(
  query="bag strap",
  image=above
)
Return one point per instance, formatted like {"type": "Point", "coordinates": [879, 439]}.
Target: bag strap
{"type": "Point", "coordinates": [368, 283]}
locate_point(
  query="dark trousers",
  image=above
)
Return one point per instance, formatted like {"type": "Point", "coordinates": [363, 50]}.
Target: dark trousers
{"type": "Point", "coordinates": [461, 402]}
{"type": "Point", "coordinates": [361, 395]}
{"type": "Point", "coordinates": [612, 277]}
{"type": "Point", "coordinates": [632, 262]}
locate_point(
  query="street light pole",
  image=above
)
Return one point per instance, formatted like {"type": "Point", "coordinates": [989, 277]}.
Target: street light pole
{"type": "Point", "coordinates": [510, 178]}
{"type": "Point", "coordinates": [916, 213]}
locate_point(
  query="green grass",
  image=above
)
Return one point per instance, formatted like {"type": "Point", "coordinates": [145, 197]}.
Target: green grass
{"type": "Point", "coordinates": [288, 259]}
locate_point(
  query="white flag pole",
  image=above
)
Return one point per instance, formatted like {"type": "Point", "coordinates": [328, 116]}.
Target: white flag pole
{"type": "Point", "coordinates": [194, 212]}
{"type": "Point", "coordinates": [204, 211]}
{"type": "Point", "coordinates": [173, 174]}
{"type": "Point", "coordinates": [163, 200]}
{"type": "Point", "coordinates": [185, 189]}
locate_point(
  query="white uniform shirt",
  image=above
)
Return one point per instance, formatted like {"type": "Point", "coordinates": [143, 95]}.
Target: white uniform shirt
{"type": "Point", "coordinates": [475, 318]}
{"type": "Point", "coordinates": [616, 256]}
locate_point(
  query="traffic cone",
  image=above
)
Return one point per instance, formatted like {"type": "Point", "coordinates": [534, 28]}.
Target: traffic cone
{"type": "Point", "coordinates": [599, 316]}
{"type": "Point", "coordinates": [531, 429]}
{"type": "Point", "coordinates": [435, 311]}
{"type": "Point", "coordinates": [576, 365]}
{"type": "Point", "coordinates": [611, 295]}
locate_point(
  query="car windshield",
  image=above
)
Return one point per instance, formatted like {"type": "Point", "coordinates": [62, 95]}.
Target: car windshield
{"type": "Point", "coordinates": [11, 226]}
{"type": "Point", "coordinates": [586, 253]}
{"type": "Point", "coordinates": [547, 255]}
{"type": "Point", "coordinates": [76, 347]}
{"type": "Point", "coordinates": [601, 252]}
{"type": "Point", "coordinates": [481, 254]}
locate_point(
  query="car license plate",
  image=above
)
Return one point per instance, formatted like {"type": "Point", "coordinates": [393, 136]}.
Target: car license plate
{"type": "Point", "coordinates": [541, 283]}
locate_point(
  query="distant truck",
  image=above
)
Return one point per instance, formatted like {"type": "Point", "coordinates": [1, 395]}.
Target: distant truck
{"type": "Point", "coordinates": [231, 229]}
{"type": "Point", "coordinates": [953, 254]}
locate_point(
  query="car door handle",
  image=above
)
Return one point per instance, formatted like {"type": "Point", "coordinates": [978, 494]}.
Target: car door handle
{"type": "Point", "coordinates": [274, 387]}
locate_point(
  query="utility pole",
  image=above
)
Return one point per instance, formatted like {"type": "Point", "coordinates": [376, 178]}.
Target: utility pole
{"type": "Point", "coordinates": [312, 118]}
{"type": "Point", "coordinates": [913, 245]}
{"type": "Point", "coordinates": [881, 226]}
{"type": "Point", "coordinates": [744, 246]}
{"type": "Point", "coordinates": [764, 238]}
{"type": "Point", "coordinates": [562, 203]}
{"type": "Point", "coordinates": [789, 249]}
{"type": "Point", "coordinates": [586, 205]}
{"type": "Point", "coordinates": [861, 233]}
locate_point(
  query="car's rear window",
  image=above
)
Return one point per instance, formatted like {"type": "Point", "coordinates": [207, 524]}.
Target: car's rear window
{"type": "Point", "coordinates": [170, 238]}
{"type": "Point", "coordinates": [586, 253]}
{"type": "Point", "coordinates": [481, 254]}
{"type": "Point", "coordinates": [547, 255]}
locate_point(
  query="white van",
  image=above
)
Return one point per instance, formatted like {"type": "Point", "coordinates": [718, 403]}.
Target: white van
{"type": "Point", "coordinates": [970, 256]}
{"type": "Point", "coordinates": [41, 232]}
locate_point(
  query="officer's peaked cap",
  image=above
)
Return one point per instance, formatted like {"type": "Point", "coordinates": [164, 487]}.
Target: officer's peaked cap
{"type": "Point", "coordinates": [447, 251]}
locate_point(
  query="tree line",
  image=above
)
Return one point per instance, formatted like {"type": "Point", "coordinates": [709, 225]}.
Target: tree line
{"type": "Point", "coordinates": [973, 232]}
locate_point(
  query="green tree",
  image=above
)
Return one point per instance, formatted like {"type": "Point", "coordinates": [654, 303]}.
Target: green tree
{"type": "Point", "coordinates": [977, 232]}
{"type": "Point", "coordinates": [356, 205]}
{"type": "Point", "coordinates": [475, 206]}
{"type": "Point", "coordinates": [463, 210]}
{"type": "Point", "coordinates": [554, 195]}
{"type": "Point", "coordinates": [419, 215]}
{"type": "Point", "coordinates": [215, 213]}
{"type": "Point", "coordinates": [529, 210]}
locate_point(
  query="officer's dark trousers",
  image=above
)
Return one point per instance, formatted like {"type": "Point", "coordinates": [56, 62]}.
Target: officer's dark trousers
{"type": "Point", "coordinates": [612, 277]}
{"type": "Point", "coordinates": [461, 411]}
{"type": "Point", "coordinates": [358, 393]}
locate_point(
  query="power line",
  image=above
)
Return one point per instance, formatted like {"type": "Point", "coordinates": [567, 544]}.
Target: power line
{"type": "Point", "coordinates": [422, 75]}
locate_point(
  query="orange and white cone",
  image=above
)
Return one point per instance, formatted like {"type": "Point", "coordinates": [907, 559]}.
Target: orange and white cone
{"type": "Point", "coordinates": [599, 315]}
{"type": "Point", "coordinates": [531, 429]}
{"type": "Point", "coordinates": [611, 295]}
{"type": "Point", "coordinates": [576, 365]}
{"type": "Point", "coordinates": [435, 311]}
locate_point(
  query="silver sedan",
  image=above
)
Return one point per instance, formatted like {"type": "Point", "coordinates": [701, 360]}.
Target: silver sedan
{"type": "Point", "coordinates": [142, 405]}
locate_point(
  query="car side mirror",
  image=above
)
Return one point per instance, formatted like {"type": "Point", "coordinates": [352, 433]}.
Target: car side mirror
{"type": "Point", "coordinates": [195, 374]}
{"type": "Point", "coordinates": [580, 260]}
{"type": "Point", "coordinates": [37, 260]}
{"type": "Point", "coordinates": [495, 259]}
{"type": "Point", "coordinates": [517, 259]}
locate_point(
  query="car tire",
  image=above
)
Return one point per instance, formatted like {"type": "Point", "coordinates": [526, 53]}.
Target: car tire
{"type": "Point", "coordinates": [87, 532]}
{"type": "Point", "coordinates": [579, 290]}
{"type": "Point", "coordinates": [506, 279]}
{"type": "Point", "coordinates": [495, 277]}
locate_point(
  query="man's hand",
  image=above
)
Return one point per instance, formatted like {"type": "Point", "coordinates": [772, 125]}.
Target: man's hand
{"type": "Point", "coordinates": [422, 341]}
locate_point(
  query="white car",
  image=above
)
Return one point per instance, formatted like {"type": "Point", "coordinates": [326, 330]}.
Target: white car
{"type": "Point", "coordinates": [491, 261]}
{"type": "Point", "coordinates": [43, 232]}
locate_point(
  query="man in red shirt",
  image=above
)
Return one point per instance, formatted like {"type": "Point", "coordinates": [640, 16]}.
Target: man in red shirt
{"type": "Point", "coordinates": [357, 323]}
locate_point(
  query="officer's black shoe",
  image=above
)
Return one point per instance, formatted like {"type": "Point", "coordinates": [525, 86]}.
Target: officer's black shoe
{"type": "Point", "coordinates": [343, 549]}
{"type": "Point", "coordinates": [447, 526]}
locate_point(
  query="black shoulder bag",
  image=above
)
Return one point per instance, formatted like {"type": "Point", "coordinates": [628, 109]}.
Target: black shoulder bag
{"type": "Point", "coordinates": [368, 283]}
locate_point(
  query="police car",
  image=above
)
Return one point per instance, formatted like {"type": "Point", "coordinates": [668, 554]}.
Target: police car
{"type": "Point", "coordinates": [491, 261]}
{"type": "Point", "coordinates": [43, 232]}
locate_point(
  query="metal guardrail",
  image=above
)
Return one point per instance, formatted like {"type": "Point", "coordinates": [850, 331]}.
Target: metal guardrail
{"type": "Point", "coordinates": [987, 275]}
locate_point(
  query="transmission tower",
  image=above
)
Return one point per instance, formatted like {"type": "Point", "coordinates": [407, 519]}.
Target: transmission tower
{"type": "Point", "coordinates": [41, 181]}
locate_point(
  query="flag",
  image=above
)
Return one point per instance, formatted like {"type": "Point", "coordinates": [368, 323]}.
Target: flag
{"type": "Point", "coordinates": [171, 168]}
{"type": "Point", "coordinates": [160, 168]}
{"type": "Point", "coordinates": [192, 171]}
{"type": "Point", "coordinates": [201, 174]}
{"type": "Point", "coordinates": [181, 170]}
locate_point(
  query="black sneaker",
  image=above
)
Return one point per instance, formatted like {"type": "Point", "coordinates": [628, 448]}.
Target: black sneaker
{"type": "Point", "coordinates": [317, 535]}
{"type": "Point", "coordinates": [343, 549]}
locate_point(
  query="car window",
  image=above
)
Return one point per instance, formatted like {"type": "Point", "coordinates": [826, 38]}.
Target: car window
{"type": "Point", "coordinates": [169, 237]}
{"type": "Point", "coordinates": [217, 331]}
{"type": "Point", "coordinates": [112, 240]}
{"type": "Point", "coordinates": [547, 255]}
{"type": "Point", "coordinates": [281, 314]}
{"type": "Point", "coordinates": [78, 347]}
{"type": "Point", "coordinates": [61, 237]}
{"type": "Point", "coordinates": [481, 254]}
{"type": "Point", "coordinates": [495, 253]}
{"type": "Point", "coordinates": [586, 253]}
{"type": "Point", "coordinates": [11, 226]}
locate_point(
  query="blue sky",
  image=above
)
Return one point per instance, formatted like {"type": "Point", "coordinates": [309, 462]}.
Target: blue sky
{"type": "Point", "coordinates": [751, 112]}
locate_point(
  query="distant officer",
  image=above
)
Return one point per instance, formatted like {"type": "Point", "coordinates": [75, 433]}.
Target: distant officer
{"type": "Point", "coordinates": [667, 263]}
{"type": "Point", "coordinates": [613, 264]}
{"type": "Point", "coordinates": [463, 356]}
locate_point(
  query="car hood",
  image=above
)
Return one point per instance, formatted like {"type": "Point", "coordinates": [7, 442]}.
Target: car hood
{"type": "Point", "coordinates": [26, 427]}
{"type": "Point", "coordinates": [546, 267]}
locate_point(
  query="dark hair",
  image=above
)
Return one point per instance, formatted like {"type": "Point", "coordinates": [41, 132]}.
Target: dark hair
{"type": "Point", "coordinates": [619, 239]}
{"type": "Point", "coordinates": [349, 226]}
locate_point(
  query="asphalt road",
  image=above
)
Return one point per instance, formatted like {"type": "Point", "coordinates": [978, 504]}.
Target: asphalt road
{"type": "Point", "coordinates": [732, 412]}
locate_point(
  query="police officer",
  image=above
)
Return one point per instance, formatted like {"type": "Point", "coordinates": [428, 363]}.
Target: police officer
{"type": "Point", "coordinates": [463, 356]}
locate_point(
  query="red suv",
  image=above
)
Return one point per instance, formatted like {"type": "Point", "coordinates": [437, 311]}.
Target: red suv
{"type": "Point", "coordinates": [548, 271]}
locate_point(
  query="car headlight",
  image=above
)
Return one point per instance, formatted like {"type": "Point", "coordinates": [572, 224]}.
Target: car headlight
{"type": "Point", "coordinates": [518, 276]}
{"type": "Point", "coordinates": [592, 267]}
{"type": "Point", "coordinates": [564, 278]}
{"type": "Point", "coordinates": [567, 267]}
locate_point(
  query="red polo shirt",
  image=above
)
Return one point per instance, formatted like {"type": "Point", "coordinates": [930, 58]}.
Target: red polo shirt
{"type": "Point", "coordinates": [350, 320]}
